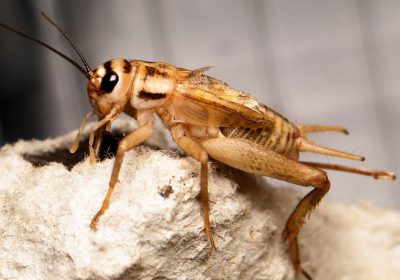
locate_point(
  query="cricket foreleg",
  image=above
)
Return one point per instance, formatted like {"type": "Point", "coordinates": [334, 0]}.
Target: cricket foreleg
{"type": "Point", "coordinates": [75, 145]}
{"type": "Point", "coordinates": [99, 141]}
{"type": "Point", "coordinates": [198, 153]}
{"type": "Point", "coordinates": [99, 138]}
{"type": "Point", "coordinates": [133, 139]}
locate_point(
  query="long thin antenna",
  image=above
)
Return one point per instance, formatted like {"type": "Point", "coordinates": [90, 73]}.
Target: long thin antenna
{"type": "Point", "coordinates": [69, 40]}
{"type": "Point", "coordinates": [86, 73]}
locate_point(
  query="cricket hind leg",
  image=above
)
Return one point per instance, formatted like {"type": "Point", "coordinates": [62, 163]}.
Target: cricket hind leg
{"type": "Point", "coordinates": [250, 157]}
{"type": "Point", "coordinates": [296, 221]}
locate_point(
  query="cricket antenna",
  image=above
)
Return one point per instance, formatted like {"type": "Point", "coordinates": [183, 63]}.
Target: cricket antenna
{"type": "Point", "coordinates": [69, 40]}
{"type": "Point", "coordinates": [87, 73]}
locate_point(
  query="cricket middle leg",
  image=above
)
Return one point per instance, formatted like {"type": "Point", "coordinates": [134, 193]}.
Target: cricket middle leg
{"type": "Point", "coordinates": [197, 152]}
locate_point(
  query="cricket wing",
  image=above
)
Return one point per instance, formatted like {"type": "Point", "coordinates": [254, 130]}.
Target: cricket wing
{"type": "Point", "coordinates": [215, 95]}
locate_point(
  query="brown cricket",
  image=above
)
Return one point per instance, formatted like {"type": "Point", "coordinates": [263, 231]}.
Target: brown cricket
{"type": "Point", "coordinates": [207, 119]}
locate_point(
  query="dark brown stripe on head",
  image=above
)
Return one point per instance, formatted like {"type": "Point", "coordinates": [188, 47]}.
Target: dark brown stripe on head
{"type": "Point", "coordinates": [127, 66]}
{"type": "Point", "coordinates": [151, 95]}
{"type": "Point", "coordinates": [107, 66]}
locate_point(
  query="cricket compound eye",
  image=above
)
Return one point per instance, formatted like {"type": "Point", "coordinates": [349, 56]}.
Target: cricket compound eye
{"type": "Point", "coordinates": [109, 81]}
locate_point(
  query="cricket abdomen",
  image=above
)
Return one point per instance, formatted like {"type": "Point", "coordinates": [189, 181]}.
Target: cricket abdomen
{"type": "Point", "coordinates": [280, 138]}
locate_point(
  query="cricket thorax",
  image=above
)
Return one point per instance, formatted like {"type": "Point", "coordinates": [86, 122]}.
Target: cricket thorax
{"type": "Point", "coordinates": [153, 84]}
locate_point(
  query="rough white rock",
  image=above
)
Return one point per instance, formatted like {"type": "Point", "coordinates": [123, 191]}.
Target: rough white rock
{"type": "Point", "coordinates": [150, 233]}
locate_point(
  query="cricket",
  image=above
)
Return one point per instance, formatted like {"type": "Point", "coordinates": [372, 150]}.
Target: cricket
{"type": "Point", "coordinates": [208, 120]}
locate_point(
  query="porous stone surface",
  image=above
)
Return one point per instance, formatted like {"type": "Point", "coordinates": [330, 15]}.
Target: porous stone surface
{"type": "Point", "coordinates": [154, 227]}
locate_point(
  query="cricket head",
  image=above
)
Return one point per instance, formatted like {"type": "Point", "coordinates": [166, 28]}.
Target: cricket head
{"type": "Point", "coordinates": [108, 86]}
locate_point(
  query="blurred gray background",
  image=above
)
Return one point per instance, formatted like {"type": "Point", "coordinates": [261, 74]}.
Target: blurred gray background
{"type": "Point", "coordinates": [320, 62]}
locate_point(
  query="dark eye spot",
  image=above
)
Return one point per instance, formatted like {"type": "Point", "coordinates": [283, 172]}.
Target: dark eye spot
{"type": "Point", "coordinates": [109, 81]}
